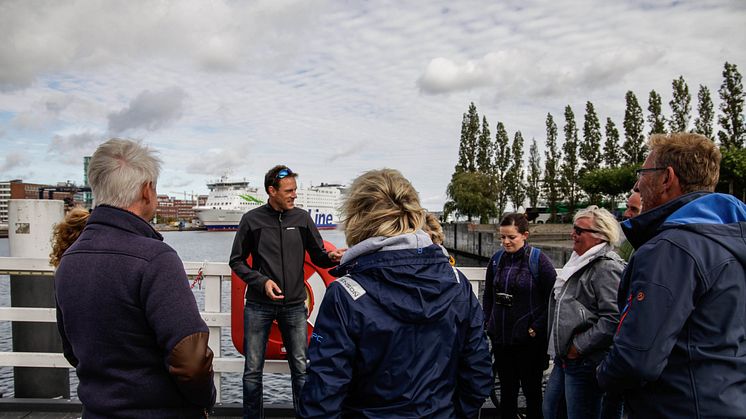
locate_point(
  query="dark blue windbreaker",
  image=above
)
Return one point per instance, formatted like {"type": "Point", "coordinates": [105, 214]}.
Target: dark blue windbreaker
{"type": "Point", "coordinates": [680, 349]}
{"type": "Point", "coordinates": [400, 337]}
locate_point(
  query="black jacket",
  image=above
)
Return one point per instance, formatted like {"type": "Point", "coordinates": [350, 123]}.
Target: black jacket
{"type": "Point", "coordinates": [277, 242]}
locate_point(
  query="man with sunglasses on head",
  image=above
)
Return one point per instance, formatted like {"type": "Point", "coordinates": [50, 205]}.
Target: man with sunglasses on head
{"type": "Point", "coordinates": [276, 236]}
{"type": "Point", "coordinates": [680, 348]}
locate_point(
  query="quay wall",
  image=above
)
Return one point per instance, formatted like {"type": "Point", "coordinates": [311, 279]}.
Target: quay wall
{"type": "Point", "coordinates": [481, 241]}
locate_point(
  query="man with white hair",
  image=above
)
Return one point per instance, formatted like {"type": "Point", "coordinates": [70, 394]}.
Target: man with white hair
{"type": "Point", "coordinates": [128, 319]}
{"type": "Point", "coordinates": [680, 349]}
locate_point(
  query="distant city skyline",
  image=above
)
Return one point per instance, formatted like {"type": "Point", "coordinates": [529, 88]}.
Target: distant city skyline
{"type": "Point", "coordinates": [332, 89]}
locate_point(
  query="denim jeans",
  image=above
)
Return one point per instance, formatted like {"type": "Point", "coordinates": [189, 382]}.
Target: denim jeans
{"type": "Point", "coordinates": [572, 390]}
{"type": "Point", "coordinates": [257, 322]}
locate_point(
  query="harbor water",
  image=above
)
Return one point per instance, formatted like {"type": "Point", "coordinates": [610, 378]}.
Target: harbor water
{"type": "Point", "coordinates": [192, 246]}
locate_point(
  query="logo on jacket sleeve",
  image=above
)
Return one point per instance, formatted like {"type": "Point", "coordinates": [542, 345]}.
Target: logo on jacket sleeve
{"type": "Point", "coordinates": [352, 287]}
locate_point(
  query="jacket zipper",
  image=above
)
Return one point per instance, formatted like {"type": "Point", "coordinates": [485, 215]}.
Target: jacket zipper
{"type": "Point", "coordinates": [282, 260]}
{"type": "Point", "coordinates": [556, 321]}
{"type": "Point", "coordinates": [505, 309]}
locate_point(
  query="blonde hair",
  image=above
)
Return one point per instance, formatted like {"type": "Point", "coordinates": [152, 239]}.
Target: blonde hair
{"type": "Point", "coordinates": [66, 232]}
{"type": "Point", "coordinates": [433, 228]}
{"type": "Point", "coordinates": [381, 203]}
{"type": "Point", "coordinates": [694, 158]}
{"type": "Point", "coordinates": [605, 225]}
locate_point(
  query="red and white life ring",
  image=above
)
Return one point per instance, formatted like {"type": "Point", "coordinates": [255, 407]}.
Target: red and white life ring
{"type": "Point", "coordinates": [315, 279]}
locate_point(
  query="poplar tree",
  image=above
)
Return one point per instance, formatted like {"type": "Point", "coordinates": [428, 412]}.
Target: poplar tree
{"type": "Point", "coordinates": [655, 114]}
{"type": "Point", "coordinates": [612, 157]}
{"type": "Point", "coordinates": [463, 147]}
{"type": "Point", "coordinates": [472, 133]}
{"type": "Point", "coordinates": [484, 148]}
{"type": "Point", "coordinates": [569, 171]}
{"type": "Point", "coordinates": [680, 106]}
{"type": "Point", "coordinates": [533, 189]}
{"type": "Point", "coordinates": [551, 167]}
{"type": "Point", "coordinates": [502, 162]}
{"type": "Point", "coordinates": [516, 187]}
{"type": "Point", "coordinates": [590, 149]}
{"type": "Point", "coordinates": [703, 122]}
{"type": "Point", "coordinates": [634, 139]}
{"type": "Point", "coordinates": [731, 119]}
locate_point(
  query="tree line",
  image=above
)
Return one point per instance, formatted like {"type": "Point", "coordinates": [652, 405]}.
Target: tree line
{"type": "Point", "coordinates": [597, 167]}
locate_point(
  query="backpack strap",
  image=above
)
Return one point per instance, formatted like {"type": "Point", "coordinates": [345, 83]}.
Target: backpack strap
{"type": "Point", "coordinates": [533, 262]}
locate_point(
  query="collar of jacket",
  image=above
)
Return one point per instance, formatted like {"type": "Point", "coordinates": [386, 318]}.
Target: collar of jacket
{"type": "Point", "coordinates": [122, 219]}
{"type": "Point", "coordinates": [274, 212]}
{"type": "Point", "coordinates": [357, 256]}
{"type": "Point", "coordinates": [647, 225]}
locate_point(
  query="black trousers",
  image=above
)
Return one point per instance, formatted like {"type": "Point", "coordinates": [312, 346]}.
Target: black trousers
{"type": "Point", "coordinates": [520, 365]}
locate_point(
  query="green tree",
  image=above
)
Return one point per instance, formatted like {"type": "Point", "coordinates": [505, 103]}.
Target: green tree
{"type": "Point", "coordinates": [463, 147]}
{"type": "Point", "coordinates": [612, 157]}
{"type": "Point", "coordinates": [533, 189]}
{"type": "Point", "coordinates": [590, 149]}
{"type": "Point", "coordinates": [655, 116]}
{"type": "Point", "coordinates": [471, 194]}
{"type": "Point", "coordinates": [551, 167]}
{"type": "Point", "coordinates": [731, 118]}
{"type": "Point", "coordinates": [733, 170]}
{"type": "Point", "coordinates": [609, 181]}
{"type": "Point", "coordinates": [472, 133]}
{"type": "Point", "coordinates": [634, 139]}
{"type": "Point", "coordinates": [484, 148]}
{"type": "Point", "coordinates": [516, 187]}
{"type": "Point", "coordinates": [570, 164]}
{"type": "Point", "coordinates": [680, 106]}
{"type": "Point", "coordinates": [502, 162]}
{"type": "Point", "coordinates": [703, 122]}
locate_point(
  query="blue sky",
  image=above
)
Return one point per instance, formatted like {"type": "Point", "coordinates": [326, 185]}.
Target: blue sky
{"type": "Point", "coordinates": [331, 88]}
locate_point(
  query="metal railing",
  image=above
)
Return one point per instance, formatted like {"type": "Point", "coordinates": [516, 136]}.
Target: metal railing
{"type": "Point", "coordinates": [215, 316]}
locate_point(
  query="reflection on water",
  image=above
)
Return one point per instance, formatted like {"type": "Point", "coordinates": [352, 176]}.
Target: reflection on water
{"type": "Point", "coordinates": [192, 246]}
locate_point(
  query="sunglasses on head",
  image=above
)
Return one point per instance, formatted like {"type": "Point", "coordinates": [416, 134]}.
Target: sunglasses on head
{"type": "Point", "coordinates": [581, 230]}
{"type": "Point", "coordinates": [283, 173]}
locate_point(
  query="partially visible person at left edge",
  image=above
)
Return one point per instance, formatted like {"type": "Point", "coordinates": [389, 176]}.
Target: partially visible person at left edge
{"type": "Point", "coordinates": [128, 319]}
{"type": "Point", "coordinates": [680, 349]}
{"type": "Point", "coordinates": [400, 334]}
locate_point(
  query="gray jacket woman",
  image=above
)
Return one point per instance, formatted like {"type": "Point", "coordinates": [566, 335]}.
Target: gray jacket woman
{"type": "Point", "coordinates": [586, 314]}
{"type": "Point", "coordinates": [583, 317]}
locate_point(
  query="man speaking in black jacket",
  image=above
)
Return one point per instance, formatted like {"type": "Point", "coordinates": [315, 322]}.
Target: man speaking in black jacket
{"type": "Point", "coordinates": [276, 235]}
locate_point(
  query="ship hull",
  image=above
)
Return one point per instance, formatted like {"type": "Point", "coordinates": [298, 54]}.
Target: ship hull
{"type": "Point", "coordinates": [228, 220]}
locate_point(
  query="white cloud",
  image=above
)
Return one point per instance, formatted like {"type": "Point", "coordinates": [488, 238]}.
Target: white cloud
{"type": "Point", "coordinates": [334, 88]}
{"type": "Point", "coordinates": [149, 110]}
{"type": "Point", "coordinates": [14, 160]}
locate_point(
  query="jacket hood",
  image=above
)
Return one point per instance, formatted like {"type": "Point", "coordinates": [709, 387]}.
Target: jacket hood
{"type": "Point", "coordinates": [123, 220]}
{"type": "Point", "coordinates": [719, 217]}
{"type": "Point", "coordinates": [408, 275]}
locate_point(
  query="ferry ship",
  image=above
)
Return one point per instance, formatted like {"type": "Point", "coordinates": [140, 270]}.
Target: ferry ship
{"type": "Point", "coordinates": [229, 200]}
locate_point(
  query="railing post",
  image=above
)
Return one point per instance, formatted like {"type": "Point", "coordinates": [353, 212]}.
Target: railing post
{"type": "Point", "coordinates": [213, 288]}
{"type": "Point", "coordinates": [30, 223]}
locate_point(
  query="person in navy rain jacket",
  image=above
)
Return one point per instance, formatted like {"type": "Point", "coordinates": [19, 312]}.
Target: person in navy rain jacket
{"type": "Point", "coordinates": [400, 334]}
{"type": "Point", "coordinates": [680, 349]}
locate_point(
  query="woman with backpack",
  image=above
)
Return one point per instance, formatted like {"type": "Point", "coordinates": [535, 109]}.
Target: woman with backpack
{"type": "Point", "coordinates": [518, 283]}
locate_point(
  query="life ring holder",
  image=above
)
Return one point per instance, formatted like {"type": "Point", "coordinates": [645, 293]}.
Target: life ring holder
{"type": "Point", "coordinates": [315, 279]}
